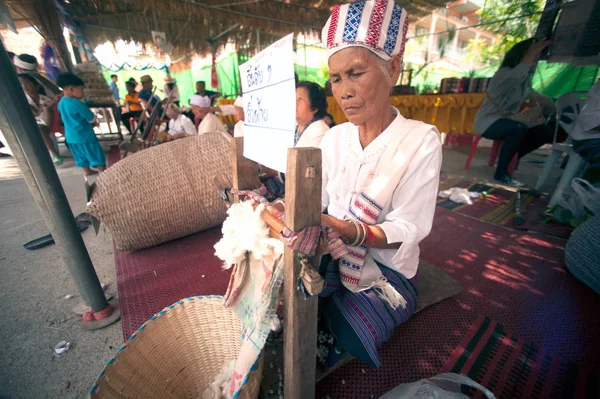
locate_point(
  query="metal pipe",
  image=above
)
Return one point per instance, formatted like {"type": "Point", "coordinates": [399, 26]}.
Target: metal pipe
{"type": "Point", "coordinates": [20, 129]}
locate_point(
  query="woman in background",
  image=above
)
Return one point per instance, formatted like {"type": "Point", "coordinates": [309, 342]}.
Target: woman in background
{"type": "Point", "coordinates": [311, 108]}
{"type": "Point", "coordinates": [509, 92]}
{"type": "Point", "coordinates": [42, 108]}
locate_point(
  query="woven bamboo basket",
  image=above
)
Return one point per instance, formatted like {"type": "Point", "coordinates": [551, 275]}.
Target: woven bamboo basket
{"type": "Point", "coordinates": [177, 353]}
{"type": "Point", "coordinates": [163, 193]}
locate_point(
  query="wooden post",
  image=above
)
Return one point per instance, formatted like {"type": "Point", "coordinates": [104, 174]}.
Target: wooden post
{"type": "Point", "coordinates": [245, 171]}
{"type": "Point", "coordinates": [303, 209]}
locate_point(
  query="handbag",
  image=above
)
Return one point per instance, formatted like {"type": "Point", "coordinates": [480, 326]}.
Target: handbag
{"type": "Point", "coordinates": [530, 116]}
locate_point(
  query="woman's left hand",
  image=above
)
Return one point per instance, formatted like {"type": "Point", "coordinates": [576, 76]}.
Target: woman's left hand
{"type": "Point", "coordinates": [348, 232]}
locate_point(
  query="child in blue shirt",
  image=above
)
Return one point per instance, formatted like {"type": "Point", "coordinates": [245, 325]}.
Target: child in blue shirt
{"type": "Point", "coordinates": [79, 122]}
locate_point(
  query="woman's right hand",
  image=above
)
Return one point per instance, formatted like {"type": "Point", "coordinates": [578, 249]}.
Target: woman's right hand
{"type": "Point", "coordinates": [534, 51]}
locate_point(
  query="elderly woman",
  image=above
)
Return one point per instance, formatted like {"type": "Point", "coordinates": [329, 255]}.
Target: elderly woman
{"type": "Point", "coordinates": [237, 110]}
{"type": "Point", "coordinates": [209, 121]}
{"type": "Point", "coordinates": [380, 181]}
{"type": "Point", "coordinates": [180, 126]}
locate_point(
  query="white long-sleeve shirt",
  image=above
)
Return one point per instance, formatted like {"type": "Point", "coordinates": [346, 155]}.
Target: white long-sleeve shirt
{"type": "Point", "coordinates": [238, 129]}
{"type": "Point", "coordinates": [348, 169]}
{"type": "Point", "coordinates": [508, 89]}
{"type": "Point", "coordinates": [211, 123]}
{"type": "Point", "coordinates": [313, 134]}
{"type": "Point", "coordinates": [182, 124]}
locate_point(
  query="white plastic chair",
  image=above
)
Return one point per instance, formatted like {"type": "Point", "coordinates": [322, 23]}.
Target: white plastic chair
{"type": "Point", "coordinates": [568, 106]}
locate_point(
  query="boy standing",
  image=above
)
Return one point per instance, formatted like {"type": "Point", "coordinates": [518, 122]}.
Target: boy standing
{"type": "Point", "coordinates": [113, 87]}
{"type": "Point", "coordinates": [79, 121]}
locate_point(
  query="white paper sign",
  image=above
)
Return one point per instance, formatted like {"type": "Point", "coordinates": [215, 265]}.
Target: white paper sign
{"type": "Point", "coordinates": [270, 104]}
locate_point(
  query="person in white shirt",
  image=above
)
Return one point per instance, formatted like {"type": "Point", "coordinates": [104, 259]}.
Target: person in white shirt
{"type": "Point", "coordinates": [311, 108]}
{"type": "Point", "coordinates": [201, 101]}
{"type": "Point", "coordinates": [210, 122]}
{"type": "Point", "coordinates": [237, 109]}
{"type": "Point", "coordinates": [180, 126]}
{"type": "Point", "coordinates": [380, 182]}
{"type": "Point", "coordinates": [41, 107]}
{"type": "Point", "coordinates": [171, 87]}
{"type": "Point", "coordinates": [26, 63]}
{"type": "Point", "coordinates": [238, 129]}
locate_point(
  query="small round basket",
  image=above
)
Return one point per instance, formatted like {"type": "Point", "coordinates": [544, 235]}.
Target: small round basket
{"type": "Point", "coordinates": [177, 353]}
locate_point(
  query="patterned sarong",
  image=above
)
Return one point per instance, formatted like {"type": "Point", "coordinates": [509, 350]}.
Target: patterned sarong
{"type": "Point", "coordinates": [361, 322]}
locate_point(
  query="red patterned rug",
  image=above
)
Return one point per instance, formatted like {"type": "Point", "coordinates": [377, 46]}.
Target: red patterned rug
{"type": "Point", "coordinates": [515, 368]}
{"type": "Point", "coordinates": [516, 279]}
{"type": "Point", "coordinates": [153, 278]}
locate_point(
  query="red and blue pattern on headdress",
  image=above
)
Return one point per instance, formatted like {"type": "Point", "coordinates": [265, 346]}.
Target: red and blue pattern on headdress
{"type": "Point", "coordinates": [378, 25]}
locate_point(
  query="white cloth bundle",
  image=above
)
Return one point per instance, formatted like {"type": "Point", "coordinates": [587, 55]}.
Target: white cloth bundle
{"type": "Point", "coordinates": [459, 195]}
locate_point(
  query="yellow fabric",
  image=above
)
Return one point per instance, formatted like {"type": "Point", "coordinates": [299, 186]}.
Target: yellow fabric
{"type": "Point", "coordinates": [450, 113]}
{"type": "Point", "coordinates": [227, 119]}
{"type": "Point", "coordinates": [136, 102]}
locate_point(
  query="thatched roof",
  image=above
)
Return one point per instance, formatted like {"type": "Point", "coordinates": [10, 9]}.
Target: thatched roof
{"type": "Point", "coordinates": [193, 25]}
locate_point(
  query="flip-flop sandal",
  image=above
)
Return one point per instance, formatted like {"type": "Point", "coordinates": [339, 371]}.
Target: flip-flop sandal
{"type": "Point", "coordinates": [84, 218]}
{"type": "Point", "coordinates": [83, 221]}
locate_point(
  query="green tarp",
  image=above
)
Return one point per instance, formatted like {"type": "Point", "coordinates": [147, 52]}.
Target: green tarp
{"type": "Point", "coordinates": [554, 80]}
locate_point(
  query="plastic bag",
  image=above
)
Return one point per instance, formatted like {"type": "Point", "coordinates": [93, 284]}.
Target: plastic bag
{"type": "Point", "coordinates": [443, 386]}
{"type": "Point", "coordinates": [580, 205]}
{"type": "Point", "coordinates": [459, 195]}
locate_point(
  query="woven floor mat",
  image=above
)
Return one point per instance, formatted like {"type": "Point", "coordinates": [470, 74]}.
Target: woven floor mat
{"type": "Point", "coordinates": [434, 286]}
{"type": "Point", "coordinates": [516, 279]}
{"type": "Point", "coordinates": [512, 367]}
{"type": "Point", "coordinates": [154, 278]}
{"type": "Point", "coordinates": [497, 206]}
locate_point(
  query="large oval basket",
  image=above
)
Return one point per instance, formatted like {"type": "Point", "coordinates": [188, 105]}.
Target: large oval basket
{"type": "Point", "coordinates": [163, 193]}
{"type": "Point", "coordinates": [177, 353]}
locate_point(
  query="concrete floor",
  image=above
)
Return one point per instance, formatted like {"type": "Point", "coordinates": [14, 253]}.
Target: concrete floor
{"type": "Point", "coordinates": [33, 287]}
{"type": "Point", "coordinates": [34, 284]}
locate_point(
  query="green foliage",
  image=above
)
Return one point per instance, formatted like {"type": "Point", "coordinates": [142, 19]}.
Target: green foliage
{"type": "Point", "coordinates": [509, 32]}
